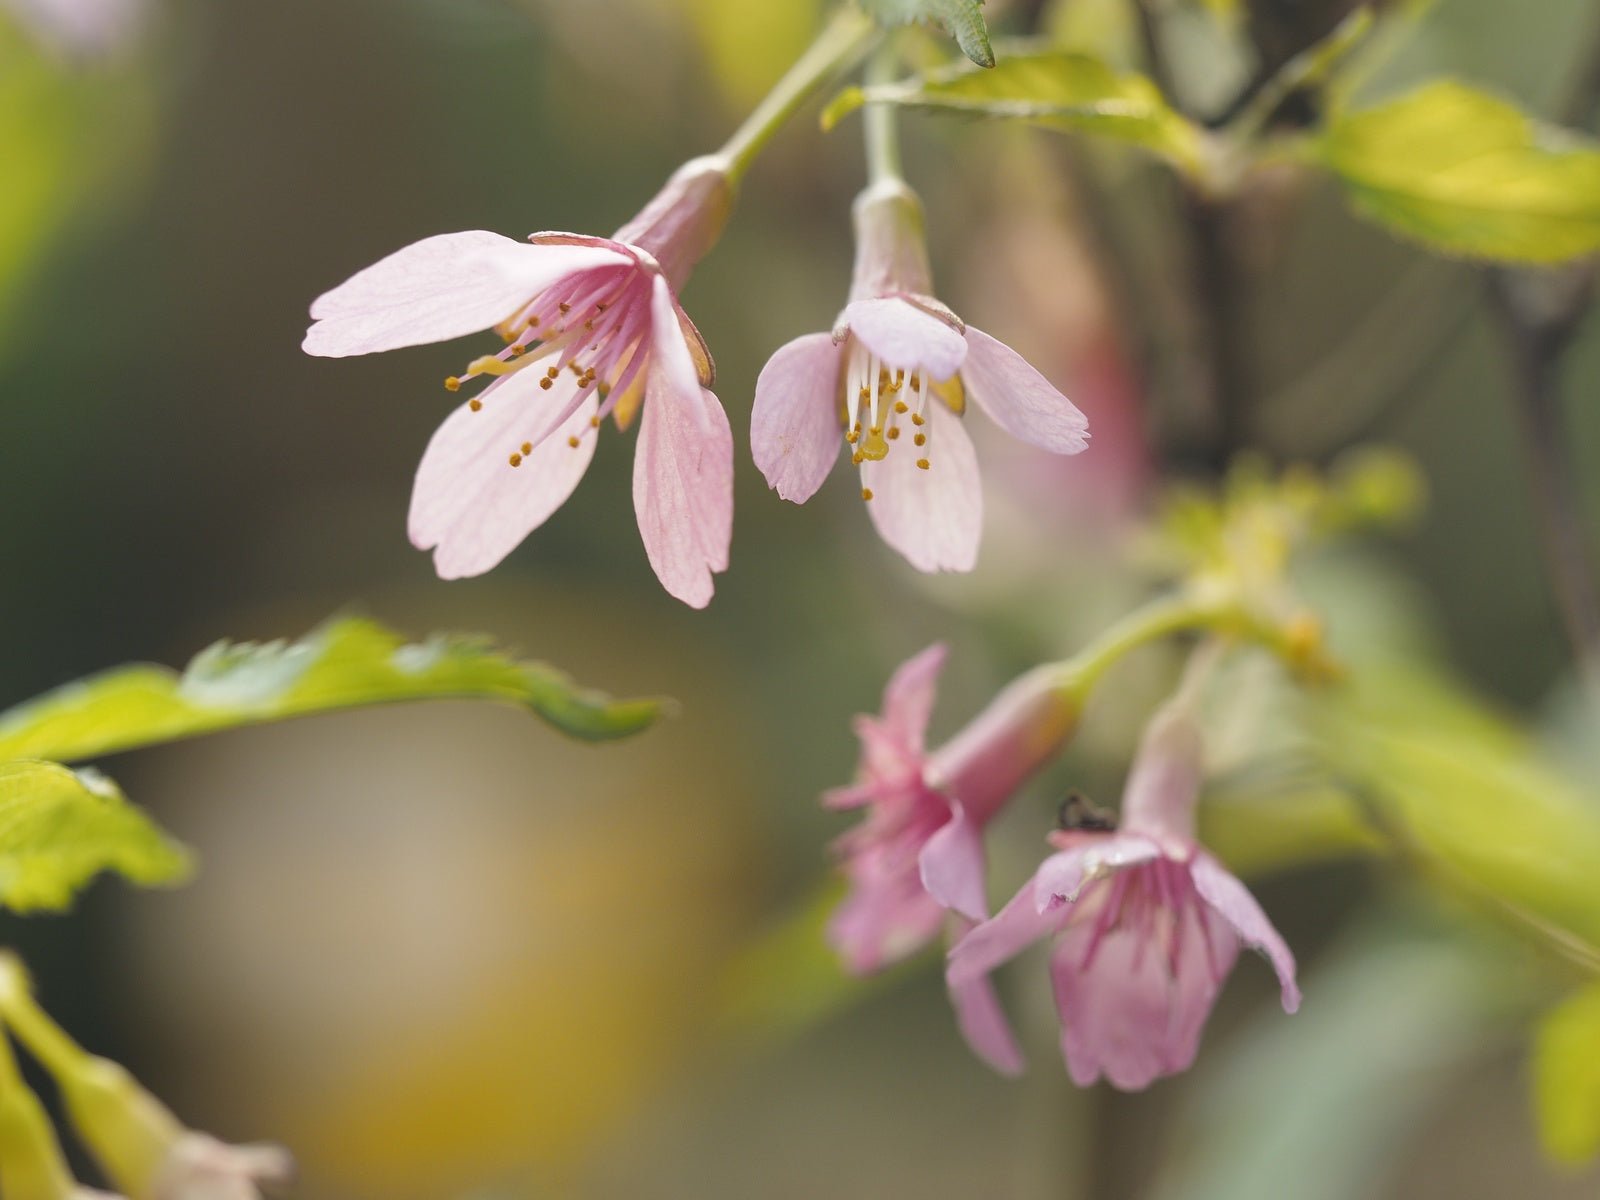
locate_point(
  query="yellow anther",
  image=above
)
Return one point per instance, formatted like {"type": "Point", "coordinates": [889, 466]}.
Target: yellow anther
{"type": "Point", "coordinates": [594, 422]}
{"type": "Point", "coordinates": [866, 493]}
{"type": "Point", "coordinates": [547, 383]}
{"type": "Point", "coordinates": [921, 439]}
{"type": "Point", "coordinates": [475, 404]}
{"type": "Point", "coordinates": [516, 460]}
{"type": "Point", "coordinates": [452, 384]}
{"type": "Point", "coordinates": [857, 459]}
{"type": "Point", "coordinates": [916, 419]}
{"type": "Point", "coordinates": [565, 308]}
{"type": "Point", "coordinates": [894, 432]}
{"type": "Point", "coordinates": [923, 463]}
{"type": "Point", "coordinates": [518, 350]}
{"type": "Point", "coordinates": [573, 442]}
{"type": "Point", "coordinates": [527, 447]}
{"type": "Point", "coordinates": [900, 406]}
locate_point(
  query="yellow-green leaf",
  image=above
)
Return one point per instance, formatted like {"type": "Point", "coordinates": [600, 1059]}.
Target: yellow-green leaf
{"type": "Point", "coordinates": [1058, 89]}
{"type": "Point", "coordinates": [347, 663]}
{"type": "Point", "coordinates": [1468, 174]}
{"type": "Point", "coordinates": [1566, 1077]}
{"type": "Point", "coordinates": [60, 828]}
{"type": "Point", "coordinates": [962, 19]}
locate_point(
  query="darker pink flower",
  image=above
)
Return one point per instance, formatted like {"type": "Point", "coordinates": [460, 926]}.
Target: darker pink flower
{"type": "Point", "coordinates": [593, 329]}
{"type": "Point", "coordinates": [892, 380]}
{"type": "Point", "coordinates": [1145, 926]}
{"type": "Point", "coordinates": [918, 855]}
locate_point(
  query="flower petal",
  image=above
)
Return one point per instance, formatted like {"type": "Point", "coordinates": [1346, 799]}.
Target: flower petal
{"type": "Point", "coordinates": [469, 504]}
{"type": "Point", "coordinates": [683, 477]}
{"type": "Point", "coordinates": [1126, 1013]}
{"type": "Point", "coordinates": [933, 517]}
{"type": "Point", "coordinates": [951, 866]}
{"type": "Point", "coordinates": [983, 1023]}
{"type": "Point", "coordinates": [886, 917]}
{"type": "Point", "coordinates": [909, 695]}
{"type": "Point", "coordinates": [1061, 877]}
{"type": "Point", "coordinates": [440, 288]}
{"type": "Point", "coordinates": [1017, 926]}
{"type": "Point", "coordinates": [1233, 902]}
{"type": "Point", "coordinates": [1019, 399]}
{"type": "Point", "coordinates": [795, 430]}
{"type": "Point", "coordinates": [906, 337]}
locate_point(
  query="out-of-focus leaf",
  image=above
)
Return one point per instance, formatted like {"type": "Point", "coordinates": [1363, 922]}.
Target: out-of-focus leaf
{"type": "Point", "coordinates": [60, 828]}
{"type": "Point", "coordinates": [1364, 1059]}
{"type": "Point", "coordinates": [1054, 88]}
{"type": "Point", "coordinates": [963, 19]}
{"type": "Point", "coordinates": [1468, 174]}
{"type": "Point", "coordinates": [1566, 1077]}
{"type": "Point", "coordinates": [347, 663]}
{"type": "Point", "coordinates": [70, 140]}
{"type": "Point", "coordinates": [1469, 794]}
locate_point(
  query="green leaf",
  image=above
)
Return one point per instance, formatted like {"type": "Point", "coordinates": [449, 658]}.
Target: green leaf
{"type": "Point", "coordinates": [1566, 1077]}
{"type": "Point", "coordinates": [963, 19]}
{"type": "Point", "coordinates": [60, 828]}
{"type": "Point", "coordinates": [347, 663]}
{"type": "Point", "coordinates": [1469, 797]}
{"type": "Point", "coordinates": [1468, 174]}
{"type": "Point", "coordinates": [1057, 89]}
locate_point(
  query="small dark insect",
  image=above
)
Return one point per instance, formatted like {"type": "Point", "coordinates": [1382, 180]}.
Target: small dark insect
{"type": "Point", "coordinates": [1078, 813]}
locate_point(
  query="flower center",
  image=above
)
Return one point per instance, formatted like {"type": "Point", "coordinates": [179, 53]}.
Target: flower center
{"type": "Point", "coordinates": [587, 331]}
{"type": "Point", "coordinates": [882, 406]}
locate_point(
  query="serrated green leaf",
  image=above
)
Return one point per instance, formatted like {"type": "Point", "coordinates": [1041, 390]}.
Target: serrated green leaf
{"type": "Point", "coordinates": [60, 828]}
{"type": "Point", "coordinates": [962, 19]}
{"type": "Point", "coordinates": [347, 663]}
{"type": "Point", "coordinates": [1468, 174]}
{"type": "Point", "coordinates": [1566, 1077]}
{"type": "Point", "coordinates": [1058, 89]}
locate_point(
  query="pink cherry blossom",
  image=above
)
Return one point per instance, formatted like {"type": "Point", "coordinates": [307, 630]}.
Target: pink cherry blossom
{"type": "Point", "coordinates": [892, 381]}
{"type": "Point", "coordinates": [1145, 927]}
{"type": "Point", "coordinates": [592, 329]}
{"type": "Point", "coordinates": [918, 855]}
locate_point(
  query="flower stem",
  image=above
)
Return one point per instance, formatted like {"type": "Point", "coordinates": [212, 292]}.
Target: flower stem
{"type": "Point", "coordinates": [33, 1027]}
{"type": "Point", "coordinates": [879, 130]}
{"type": "Point", "coordinates": [846, 36]}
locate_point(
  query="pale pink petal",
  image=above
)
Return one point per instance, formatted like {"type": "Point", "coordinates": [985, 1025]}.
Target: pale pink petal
{"type": "Point", "coordinates": [682, 468]}
{"type": "Point", "coordinates": [907, 338]}
{"type": "Point", "coordinates": [1234, 903]}
{"type": "Point", "coordinates": [440, 288]}
{"type": "Point", "coordinates": [850, 795]}
{"type": "Point", "coordinates": [795, 423]}
{"type": "Point", "coordinates": [1017, 926]}
{"type": "Point", "coordinates": [909, 695]}
{"type": "Point", "coordinates": [1125, 1013]}
{"type": "Point", "coordinates": [1090, 856]}
{"type": "Point", "coordinates": [883, 919]}
{"type": "Point", "coordinates": [469, 504]}
{"type": "Point", "coordinates": [983, 1023]}
{"type": "Point", "coordinates": [933, 517]}
{"type": "Point", "coordinates": [1164, 782]}
{"type": "Point", "coordinates": [1019, 399]}
{"type": "Point", "coordinates": [951, 866]}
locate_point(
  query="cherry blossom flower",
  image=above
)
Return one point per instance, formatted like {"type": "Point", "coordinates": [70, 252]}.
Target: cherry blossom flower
{"type": "Point", "coordinates": [592, 329]}
{"type": "Point", "coordinates": [892, 382]}
{"type": "Point", "coordinates": [919, 852]}
{"type": "Point", "coordinates": [1145, 925]}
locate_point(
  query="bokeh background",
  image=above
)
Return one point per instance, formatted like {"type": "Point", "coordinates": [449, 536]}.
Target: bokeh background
{"type": "Point", "coordinates": [440, 951]}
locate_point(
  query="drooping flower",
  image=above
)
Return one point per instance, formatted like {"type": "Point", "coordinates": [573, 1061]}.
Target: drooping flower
{"type": "Point", "coordinates": [593, 329]}
{"type": "Point", "coordinates": [892, 382]}
{"type": "Point", "coordinates": [1145, 925]}
{"type": "Point", "coordinates": [918, 855]}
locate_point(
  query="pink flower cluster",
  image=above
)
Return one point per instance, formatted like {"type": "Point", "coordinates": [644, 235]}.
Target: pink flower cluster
{"type": "Point", "coordinates": [1144, 924]}
{"type": "Point", "coordinates": [592, 329]}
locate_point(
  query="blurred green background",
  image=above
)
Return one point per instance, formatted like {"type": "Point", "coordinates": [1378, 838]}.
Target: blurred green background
{"type": "Point", "coordinates": [441, 951]}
